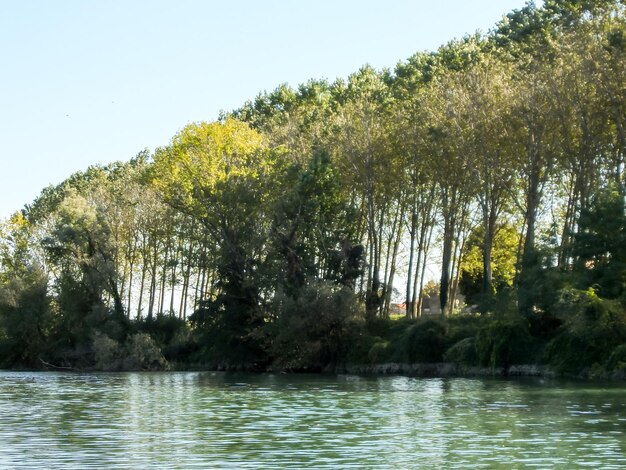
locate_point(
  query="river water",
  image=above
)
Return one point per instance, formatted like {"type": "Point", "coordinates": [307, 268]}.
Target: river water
{"type": "Point", "coordinates": [219, 420]}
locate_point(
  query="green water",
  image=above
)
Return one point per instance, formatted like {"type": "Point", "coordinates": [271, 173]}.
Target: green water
{"type": "Point", "coordinates": [216, 420]}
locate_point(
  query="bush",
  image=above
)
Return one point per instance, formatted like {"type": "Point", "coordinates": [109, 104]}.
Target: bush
{"type": "Point", "coordinates": [380, 327]}
{"type": "Point", "coordinates": [162, 328]}
{"type": "Point", "coordinates": [503, 341]}
{"type": "Point", "coordinates": [171, 334]}
{"type": "Point", "coordinates": [180, 347]}
{"type": "Point", "coordinates": [360, 343]}
{"type": "Point", "coordinates": [544, 325]}
{"type": "Point", "coordinates": [314, 328]}
{"type": "Point", "coordinates": [592, 331]}
{"type": "Point", "coordinates": [25, 318]}
{"type": "Point", "coordinates": [108, 352]}
{"type": "Point", "coordinates": [142, 353]}
{"type": "Point", "coordinates": [462, 352]}
{"type": "Point", "coordinates": [617, 360]}
{"type": "Point", "coordinates": [424, 341]}
{"type": "Point", "coordinates": [463, 326]}
{"type": "Point", "coordinates": [380, 352]}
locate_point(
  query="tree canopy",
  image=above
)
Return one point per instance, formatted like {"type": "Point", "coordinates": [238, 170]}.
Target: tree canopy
{"type": "Point", "coordinates": [291, 230]}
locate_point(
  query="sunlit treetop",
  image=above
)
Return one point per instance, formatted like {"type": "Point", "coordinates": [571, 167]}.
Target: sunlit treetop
{"type": "Point", "coordinates": [204, 155]}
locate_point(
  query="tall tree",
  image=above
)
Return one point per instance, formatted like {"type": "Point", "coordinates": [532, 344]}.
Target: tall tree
{"type": "Point", "coordinates": [218, 174]}
{"type": "Point", "coordinates": [369, 164]}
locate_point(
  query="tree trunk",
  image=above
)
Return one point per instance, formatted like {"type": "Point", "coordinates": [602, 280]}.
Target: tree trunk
{"type": "Point", "coordinates": [525, 300]}
{"type": "Point", "coordinates": [409, 299]}
{"type": "Point", "coordinates": [489, 222]}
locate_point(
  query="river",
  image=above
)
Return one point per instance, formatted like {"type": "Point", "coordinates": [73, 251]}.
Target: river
{"type": "Point", "coordinates": [220, 420]}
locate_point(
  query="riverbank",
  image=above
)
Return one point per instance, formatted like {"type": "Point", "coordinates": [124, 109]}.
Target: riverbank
{"type": "Point", "coordinates": [459, 346]}
{"type": "Point", "coordinates": [420, 370]}
{"type": "Point", "coordinates": [448, 370]}
{"type": "Point", "coordinates": [426, 370]}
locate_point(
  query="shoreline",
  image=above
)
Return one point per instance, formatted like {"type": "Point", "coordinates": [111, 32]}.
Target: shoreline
{"type": "Point", "coordinates": [446, 369]}
{"type": "Point", "coordinates": [417, 370]}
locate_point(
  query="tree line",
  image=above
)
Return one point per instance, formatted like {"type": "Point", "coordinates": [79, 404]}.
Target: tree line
{"type": "Point", "coordinates": [286, 232]}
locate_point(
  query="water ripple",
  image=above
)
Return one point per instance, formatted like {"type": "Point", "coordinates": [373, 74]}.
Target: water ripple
{"type": "Point", "coordinates": [216, 420]}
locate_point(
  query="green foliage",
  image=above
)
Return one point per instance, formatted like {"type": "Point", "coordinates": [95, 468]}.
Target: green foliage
{"type": "Point", "coordinates": [203, 159]}
{"type": "Point", "coordinates": [108, 353]}
{"type": "Point", "coordinates": [229, 329]}
{"type": "Point", "coordinates": [25, 319]}
{"type": "Point", "coordinates": [313, 230]}
{"type": "Point", "coordinates": [138, 353]}
{"type": "Point", "coordinates": [171, 334]}
{"type": "Point", "coordinates": [80, 246]}
{"type": "Point", "coordinates": [15, 248]}
{"type": "Point", "coordinates": [142, 353]}
{"type": "Point", "coordinates": [462, 352]}
{"type": "Point", "coordinates": [460, 55]}
{"type": "Point", "coordinates": [79, 313]}
{"type": "Point", "coordinates": [524, 31]}
{"type": "Point", "coordinates": [360, 343]}
{"type": "Point", "coordinates": [617, 359]}
{"type": "Point", "coordinates": [600, 244]}
{"type": "Point", "coordinates": [593, 327]}
{"type": "Point", "coordinates": [544, 325]}
{"type": "Point", "coordinates": [284, 230]}
{"type": "Point", "coordinates": [424, 341]}
{"type": "Point", "coordinates": [503, 341]}
{"type": "Point", "coordinates": [463, 326]}
{"type": "Point", "coordinates": [315, 328]}
{"type": "Point", "coordinates": [503, 260]}
{"type": "Point", "coordinates": [380, 352]}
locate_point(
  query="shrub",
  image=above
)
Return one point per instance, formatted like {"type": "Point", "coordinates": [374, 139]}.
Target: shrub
{"type": "Point", "coordinates": [593, 330]}
{"type": "Point", "coordinates": [380, 327]}
{"type": "Point", "coordinates": [314, 328]}
{"type": "Point", "coordinates": [25, 318]}
{"type": "Point", "coordinates": [463, 326]}
{"type": "Point", "coordinates": [171, 334]}
{"type": "Point", "coordinates": [360, 343]}
{"type": "Point", "coordinates": [108, 352]}
{"type": "Point", "coordinates": [617, 360]}
{"type": "Point", "coordinates": [503, 341]}
{"type": "Point", "coordinates": [380, 352]}
{"type": "Point", "coordinates": [142, 353]}
{"type": "Point", "coordinates": [162, 328]}
{"type": "Point", "coordinates": [462, 352]}
{"type": "Point", "coordinates": [424, 341]}
{"type": "Point", "coordinates": [180, 347]}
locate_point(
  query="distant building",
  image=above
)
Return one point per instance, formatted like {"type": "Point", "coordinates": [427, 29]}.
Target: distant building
{"type": "Point", "coordinates": [397, 309]}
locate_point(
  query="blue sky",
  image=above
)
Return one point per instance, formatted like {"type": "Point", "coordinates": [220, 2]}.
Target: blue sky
{"type": "Point", "coordinates": [85, 82]}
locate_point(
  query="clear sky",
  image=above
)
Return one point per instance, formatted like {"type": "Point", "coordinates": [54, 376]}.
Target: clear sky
{"type": "Point", "coordinates": [85, 82]}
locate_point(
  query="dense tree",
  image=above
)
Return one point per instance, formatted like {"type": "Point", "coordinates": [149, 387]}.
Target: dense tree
{"type": "Point", "coordinates": [600, 245]}
{"type": "Point", "coordinates": [369, 164]}
{"type": "Point", "coordinates": [415, 144]}
{"type": "Point", "coordinates": [25, 317]}
{"type": "Point", "coordinates": [285, 231]}
{"type": "Point", "coordinates": [503, 262]}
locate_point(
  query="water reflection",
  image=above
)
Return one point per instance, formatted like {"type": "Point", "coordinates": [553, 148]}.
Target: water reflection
{"type": "Point", "coordinates": [185, 420]}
